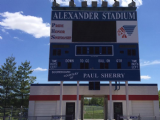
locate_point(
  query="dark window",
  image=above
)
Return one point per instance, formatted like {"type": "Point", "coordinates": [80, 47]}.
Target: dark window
{"type": "Point", "coordinates": [59, 64]}
{"type": "Point", "coordinates": [86, 65]}
{"type": "Point", "coordinates": [97, 85]}
{"type": "Point", "coordinates": [103, 50]}
{"type": "Point", "coordinates": [66, 52]}
{"type": "Point", "coordinates": [129, 52]}
{"type": "Point", "coordinates": [101, 65]}
{"type": "Point", "coordinates": [121, 52]}
{"type": "Point", "coordinates": [94, 85]}
{"type": "Point", "coordinates": [96, 50]}
{"type": "Point", "coordinates": [110, 50]}
{"type": "Point", "coordinates": [81, 65]}
{"type": "Point", "coordinates": [91, 50]}
{"type": "Point", "coordinates": [78, 50]}
{"type": "Point", "coordinates": [84, 50]}
{"type": "Point", "coordinates": [59, 52]}
{"type": "Point", "coordinates": [91, 85]}
{"type": "Point", "coordinates": [106, 65]}
{"type": "Point", "coordinates": [134, 52]}
{"type": "Point", "coordinates": [129, 64]}
{"type": "Point", "coordinates": [54, 52]}
{"type": "Point", "coordinates": [118, 65]}
{"type": "Point", "coordinates": [69, 65]}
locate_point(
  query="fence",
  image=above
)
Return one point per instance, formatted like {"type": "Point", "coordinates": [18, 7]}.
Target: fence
{"type": "Point", "coordinates": [93, 112]}
{"type": "Point", "coordinates": [57, 117]}
{"type": "Point", "coordinates": [10, 111]}
{"type": "Point", "coordinates": [138, 117]}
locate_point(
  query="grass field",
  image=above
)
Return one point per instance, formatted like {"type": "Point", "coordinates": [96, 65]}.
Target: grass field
{"type": "Point", "coordinates": [93, 112]}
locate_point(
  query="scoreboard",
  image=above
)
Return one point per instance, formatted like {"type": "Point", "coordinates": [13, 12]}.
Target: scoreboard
{"type": "Point", "coordinates": [94, 46]}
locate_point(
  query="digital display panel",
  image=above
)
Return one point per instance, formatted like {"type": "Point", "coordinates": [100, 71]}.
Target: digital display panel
{"type": "Point", "coordinates": [60, 46]}
{"type": "Point", "coordinates": [94, 31]}
{"type": "Point", "coordinates": [127, 46]}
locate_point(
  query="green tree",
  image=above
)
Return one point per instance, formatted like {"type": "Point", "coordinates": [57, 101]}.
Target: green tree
{"type": "Point", "coordinates": [86, 101]}
{"type": "Point", "coordinates": [23, 81]}
{"type": "Point", "coordinates": [7, 79]}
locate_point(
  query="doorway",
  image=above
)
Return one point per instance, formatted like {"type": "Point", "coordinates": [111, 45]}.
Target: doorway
{"type": "Point", "coordinates": [118, 110]}
{"type": "Point", "coordinates": [94, 108]}
{"type": "Point", "coordinates": [70, 110]}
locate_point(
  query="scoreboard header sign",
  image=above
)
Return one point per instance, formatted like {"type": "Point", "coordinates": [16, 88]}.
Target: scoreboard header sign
{"type": "Point", "coordinates": [94, 46]}
{"type": "Point", "coordinates": [94, 16]}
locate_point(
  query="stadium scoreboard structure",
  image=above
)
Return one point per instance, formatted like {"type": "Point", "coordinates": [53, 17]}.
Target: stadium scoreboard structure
{"type": "Point", "coordinates": [95, 46]}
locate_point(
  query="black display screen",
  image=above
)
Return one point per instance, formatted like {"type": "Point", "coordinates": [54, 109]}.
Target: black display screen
{"type": "Point", "coordinates": [60, 46]}
{"type": "Point", "coordinates": [127, 46]}
{"type": "Point", "coordinates": [94, 31]}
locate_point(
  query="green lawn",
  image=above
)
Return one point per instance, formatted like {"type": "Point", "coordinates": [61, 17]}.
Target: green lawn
{"type": "Point", "coordinates": [93, 112]}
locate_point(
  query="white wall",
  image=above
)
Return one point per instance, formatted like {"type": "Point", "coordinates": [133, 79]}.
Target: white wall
{"type": "Point", "coordinates": [84, 90]}
{"type": "Point", "coordinates": [31, 108]}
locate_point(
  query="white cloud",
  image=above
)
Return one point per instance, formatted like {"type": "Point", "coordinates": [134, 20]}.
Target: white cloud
{"type": "Point", "coordinates": [123, 3]}
{"type": "Point", "coordinates": [26, 23]}
{"type": "Point", "coordinates": [3, 30]}
{"type": "Point", "coordinates": [146, 77]}
{"type": "Point", "coordinates": [1, 38]}
{"type": "Point", "coordinates": [39, 69]}
{"type": "Point", "coordinates": [17, 38]}
{"type": "Point", "coordinates": [146, 63]}
{"type": "Point", "coordinates": [62, 2]}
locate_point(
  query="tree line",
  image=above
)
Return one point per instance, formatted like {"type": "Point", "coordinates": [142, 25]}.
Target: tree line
{"type": "Point", "coordinates": [94, 101]}
{"type": "Point", "coordinates": [15, 83]}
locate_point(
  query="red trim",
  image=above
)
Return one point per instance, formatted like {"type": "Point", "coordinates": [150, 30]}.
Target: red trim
{"type": "Point", "coordinates": [71, 97]}
{"type": "Point", "coordinates": [143, 97]}
{"type": "Point", "coordinates": [52, 97]}
{"type": "Point", "coordinates": [74, 97]}
{"type": "Point", "coordinates": [43, 97]}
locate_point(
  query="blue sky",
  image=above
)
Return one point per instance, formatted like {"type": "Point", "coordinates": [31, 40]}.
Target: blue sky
{"type": "Point", "coordinates": [25, 30]}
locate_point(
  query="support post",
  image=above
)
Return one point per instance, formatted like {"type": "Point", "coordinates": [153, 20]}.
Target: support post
{"type": "Point", "coordinates": [110, 92]}
{"type": "Point", "coordinates": [82, 103]}
{"type": "Point", "coordinates": [77, 111]}
{"type": "Point", "coordinates": [127, 102]}
{"type": "Point", "coordinates": [61, 98]}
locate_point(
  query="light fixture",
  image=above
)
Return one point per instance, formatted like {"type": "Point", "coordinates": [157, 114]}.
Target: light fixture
{"type": "Point", "coordinates": [94, 3]}
{"type": "Point", "coordinates": [116, 3]}
{"type": "Point", "coordinates": [84, 3]}
{"type": "Point", "coordinates": [55, 4]}
{"type": "Point", "coordinates": [104, 3]}
{"type": "Point", "coordinates": [132, 4]}
{"type": "Point", "coordinates": [71, 3]}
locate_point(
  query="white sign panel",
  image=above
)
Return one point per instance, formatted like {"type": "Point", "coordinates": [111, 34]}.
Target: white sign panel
{"type": "Point", "coordinates": [61, 31]}
{"type": "Point", "coordinates": [127, 32]}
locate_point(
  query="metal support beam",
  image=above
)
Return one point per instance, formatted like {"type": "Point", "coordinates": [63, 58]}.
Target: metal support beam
{"type": "Point", "coordinates": [110, 92]}
{"type": "Point", "coordinates": [77, 111]}
{"type": "Point", "coordinates": [61, 98]}
{"type": "Point", "coordinates": [127, 102]}
{"type": "Point", "coordinates": [105, 107]}
{"type": "Point", "coordinates": [82, 103]}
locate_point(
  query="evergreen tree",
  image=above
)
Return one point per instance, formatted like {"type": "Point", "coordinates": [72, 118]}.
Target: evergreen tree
{"type": "Point", "coordinates": [7, 79]}
{"type": "Point", "coordinates": [23, 81]}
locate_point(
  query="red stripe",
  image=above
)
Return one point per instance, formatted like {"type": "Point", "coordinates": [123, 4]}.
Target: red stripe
{"type": "Point", "coordinates": [74, 97]}
{"type": "Point", "coordinates": [117, 97]}
{"type": "Point", "coordinates": [52, 97]}
{"type": "Point", "coordinates": [44, 97]}
{"type": "Point", "coordinates": [143, 97]}
{"type": "Point", "coordinates": [71, 97]}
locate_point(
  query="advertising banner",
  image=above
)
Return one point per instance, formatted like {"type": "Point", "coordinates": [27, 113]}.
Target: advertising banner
{"type": "Point", "coordinates": [61, 31]}
{"type": "Point", "coordinates": [127, 32]}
